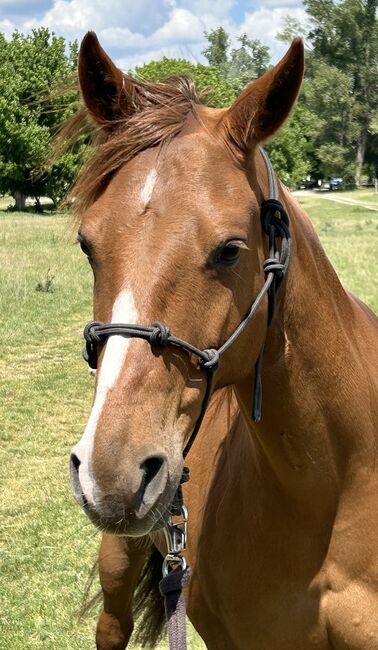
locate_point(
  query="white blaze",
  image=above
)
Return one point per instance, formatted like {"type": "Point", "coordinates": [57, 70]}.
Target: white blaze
{"type": "Point", "coordinates": [123, 311]}
{"type": "Point", "coordinates": [148, 187]}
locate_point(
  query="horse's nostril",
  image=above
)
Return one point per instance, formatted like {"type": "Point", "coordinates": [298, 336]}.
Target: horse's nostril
{"type": "Point", "coordinates": [75, 462]}
{"type": "Point", "coordinates": [151, 467]}
{"type": "Point", "coordinates": [150, 484]}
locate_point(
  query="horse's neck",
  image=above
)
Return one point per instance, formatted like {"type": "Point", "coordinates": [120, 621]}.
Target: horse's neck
{"type": "Point", "coordinates": [317, 424]}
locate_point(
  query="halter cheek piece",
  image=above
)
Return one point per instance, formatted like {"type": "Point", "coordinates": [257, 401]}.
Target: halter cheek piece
{"type": "Point", "coordinates": [275, 223]}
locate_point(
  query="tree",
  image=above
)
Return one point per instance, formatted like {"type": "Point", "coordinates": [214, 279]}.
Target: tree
{"type": "Point", "coordinates": [220, 90]}
{"type": "Point", "coordinates": [217, 50]}
{"type": "Point", "coordinates": [290, 150]}
{"type": "Point", "coordinates": [290, 29]}
{"type": "Point", "coordinates": [243, 64]}
{"type": "Point", "coordinates": [247, 62]}
{"type": "Point", "coordinates": [30, 67]}
{"type": "Point", "coordinates": [329, 95]}
{"type": "Point", "coordinates": [345, 36]}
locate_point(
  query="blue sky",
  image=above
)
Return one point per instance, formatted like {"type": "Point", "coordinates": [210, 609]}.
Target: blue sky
{"type": "Point", "coordinates": [137, 31]}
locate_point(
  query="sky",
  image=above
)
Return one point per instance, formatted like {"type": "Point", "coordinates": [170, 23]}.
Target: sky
{"type": "Point", "coordinates": [134, 32]}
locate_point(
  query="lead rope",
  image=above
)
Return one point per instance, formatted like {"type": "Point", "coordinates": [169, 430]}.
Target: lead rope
{"type": "Point", "coordinates": [176, 574]}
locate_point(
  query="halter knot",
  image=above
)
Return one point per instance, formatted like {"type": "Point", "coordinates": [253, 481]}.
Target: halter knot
{"type": "Point", "coordinates": [212, 361]}
{"type": "Point", "coordinates": [271, 265]}
{"type": "Point", "coordinates": [90, 333]}
{"type": "Point", "coordinates": [92, 340]}
{"type": "Point", "coordinates": [269, 208]}
{"type": "Point", "coordinates": [160, 334]}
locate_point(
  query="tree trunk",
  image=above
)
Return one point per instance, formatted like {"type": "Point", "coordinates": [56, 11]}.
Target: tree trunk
{"type": "Point", "coordinates": [360, 157]}
{"type": "Point", "coordinates": [38, 205]}
{"type": "Point", "coordinates": [20, 200]}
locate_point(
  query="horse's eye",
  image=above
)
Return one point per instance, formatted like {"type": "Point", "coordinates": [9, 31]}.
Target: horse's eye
{"type": "Point", "coordinates": [84, 246]}
{"type": "Point", "coordinates": [229, 253]}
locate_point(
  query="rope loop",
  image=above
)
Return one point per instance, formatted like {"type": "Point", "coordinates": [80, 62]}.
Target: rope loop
{"type": "Point", "coordinates": [212, 361]}
{"type": "Point", "coordinates": [92, 339]}
{"type": "Point", "coordinates": [90, 333]}
{"type": "Point", "coordinates": [160, 334]}
{"type": "Point", "coordinates": [271, 265]}
{"type": "Point", "coordinates": [269, 208]}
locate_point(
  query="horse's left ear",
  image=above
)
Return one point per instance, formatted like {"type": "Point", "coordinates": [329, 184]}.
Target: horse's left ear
{"type": "Point", "coordinates": [106, 92]}
{"type": "Point", "coordinates": [264, 105]}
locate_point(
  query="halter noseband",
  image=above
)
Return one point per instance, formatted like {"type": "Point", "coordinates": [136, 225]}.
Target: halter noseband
{"type": "Point", "coordinates": [158, 334]}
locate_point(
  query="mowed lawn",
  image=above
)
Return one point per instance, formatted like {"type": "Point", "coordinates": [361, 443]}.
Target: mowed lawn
{"type": "Point", "coordinates": [47, 548]}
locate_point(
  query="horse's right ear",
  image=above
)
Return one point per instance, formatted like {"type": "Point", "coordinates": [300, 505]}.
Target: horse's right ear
{"type": "Point", "coordinates": [263, 106]}
{"type": "Point", "coordinates": [105, 90]}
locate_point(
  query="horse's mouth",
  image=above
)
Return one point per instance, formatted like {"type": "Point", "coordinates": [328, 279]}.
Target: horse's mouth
{"type": "Point", "coordinates": [112, 517]}
{"type": "Point", "coordinates": [128, 524]}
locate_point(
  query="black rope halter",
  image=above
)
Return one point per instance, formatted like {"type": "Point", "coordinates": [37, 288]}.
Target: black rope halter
{"type": "Point", "coordinates": [275, 223]}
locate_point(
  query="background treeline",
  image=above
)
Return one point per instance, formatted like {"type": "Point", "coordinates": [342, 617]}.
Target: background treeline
{"type": "Point", "coordinates": [333, 131]}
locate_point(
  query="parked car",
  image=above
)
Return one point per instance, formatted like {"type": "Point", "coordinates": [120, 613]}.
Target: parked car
{"type": "Point", "coordinates": [308, 184]}
{"type": "Point", "coordinates": [335, 183]}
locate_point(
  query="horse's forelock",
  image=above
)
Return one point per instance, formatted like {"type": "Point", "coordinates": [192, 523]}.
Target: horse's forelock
{"type": "Point", "coordinates": [160, 112]}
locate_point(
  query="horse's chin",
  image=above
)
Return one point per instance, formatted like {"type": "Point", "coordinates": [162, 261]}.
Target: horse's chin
{"type": "Point", "coordinates": [129, 524]}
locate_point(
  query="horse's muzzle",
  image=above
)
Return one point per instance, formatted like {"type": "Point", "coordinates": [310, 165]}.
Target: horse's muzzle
{"type": "Point", "coordinates": [125, 510]}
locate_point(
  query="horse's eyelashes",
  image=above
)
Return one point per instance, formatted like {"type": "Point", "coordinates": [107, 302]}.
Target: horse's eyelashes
{"type": "Point", "coordinates": [228, 254]}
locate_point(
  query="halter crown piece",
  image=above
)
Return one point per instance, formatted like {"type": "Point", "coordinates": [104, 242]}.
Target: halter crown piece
{"type": "Point", "coordinates": [176, 574]}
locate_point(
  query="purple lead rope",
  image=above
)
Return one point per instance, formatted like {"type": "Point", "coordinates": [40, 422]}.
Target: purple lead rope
{"type": "Point", "coordinates": [171, 587]}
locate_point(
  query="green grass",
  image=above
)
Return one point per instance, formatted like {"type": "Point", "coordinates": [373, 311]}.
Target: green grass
{"type": "Point", "coordinates": [350, 235]}
{"type": "Point", "coordinates": [366, 195]}
{"type": "Point", "coordinates": [47, 547]}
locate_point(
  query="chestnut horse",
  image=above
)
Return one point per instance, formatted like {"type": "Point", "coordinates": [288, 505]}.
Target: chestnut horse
{"type": "Point", "coordinates": [283, 532]}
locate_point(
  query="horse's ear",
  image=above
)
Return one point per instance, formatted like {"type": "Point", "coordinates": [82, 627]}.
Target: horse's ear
{"type": "Point", "coordinates": [103, 86]}
{"type": "Point", "coordinates": [264, 105]}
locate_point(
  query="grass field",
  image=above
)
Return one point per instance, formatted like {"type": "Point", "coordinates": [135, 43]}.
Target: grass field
{"type": "Point", "coordinates": [47, 546]}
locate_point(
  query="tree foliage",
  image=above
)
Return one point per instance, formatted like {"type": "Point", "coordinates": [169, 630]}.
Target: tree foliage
{"type": "Point", "coordinates": [30, 67]}
{"type": "Point", "coordinates": [247, 62]}
{"type": "Point", "coordinates": [219, 90]}
{"type": "Point", "coordinates": [291, 27]}
{"type": "Point", "coordinates": [241, 65]}
{"type": "Point", "coordinates": [344, 36]}
{"type": "Point", "coordinates": [290, 150]}
{"type": "Point", "coordinates": [332, 132]}
{"type": "Point", "coordinates": [217, 50]}
{"type": "Point", "coordinates": [328, 94]}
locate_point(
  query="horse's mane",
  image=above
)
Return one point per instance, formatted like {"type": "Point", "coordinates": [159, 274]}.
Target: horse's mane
{"type": "Point", "coordinates": [157, 114]}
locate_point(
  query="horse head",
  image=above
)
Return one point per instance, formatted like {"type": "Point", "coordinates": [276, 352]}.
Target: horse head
{"type": "Point", "coordinates": [169, 208]}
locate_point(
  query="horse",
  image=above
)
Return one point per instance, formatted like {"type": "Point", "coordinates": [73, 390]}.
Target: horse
{"type": "Point", "coordinates": [283, 513]}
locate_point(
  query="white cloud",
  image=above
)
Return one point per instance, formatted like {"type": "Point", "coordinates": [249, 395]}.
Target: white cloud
{"type": "Point", "coordinates": [73, 18]}
{"type": "Point", "coordinates": [122, 38]}
{"type": "Point", "coordinates": [7, 27]}
{"type": "Point", "coordinates": [216, 8]}
{"type": "Point", "coordinates": [182, 26]}
{"type": "Point", "coordinates": [129, 62]}
{"type": "Point", "coordinates": [139, 31]}
{"type": "Point", "coordinates": [264, 24]}
{"type": "Point", "coordinates": [281, 3]}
